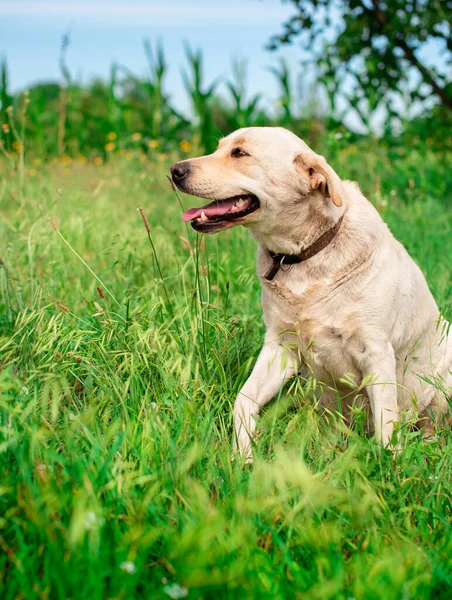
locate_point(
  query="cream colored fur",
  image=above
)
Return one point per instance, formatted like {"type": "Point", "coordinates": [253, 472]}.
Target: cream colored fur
{"type": "Point", "coordinates": [360, 309]}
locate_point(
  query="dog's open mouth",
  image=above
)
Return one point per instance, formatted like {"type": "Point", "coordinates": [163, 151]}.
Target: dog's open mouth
{"type": "Point", "coordinates": [221, 214]}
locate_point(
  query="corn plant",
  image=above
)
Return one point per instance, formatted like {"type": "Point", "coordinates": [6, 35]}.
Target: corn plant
{"type": "Point", "coordinates": [244, 113]}
{"type": "Point", "coordinates": [201, 98]}
{"type": "Point", "coordinates": [133, 113]}
{"type": "Point", "coordinates": [5, 98]}
{"type": "Point", "coordinates": [285, 102]}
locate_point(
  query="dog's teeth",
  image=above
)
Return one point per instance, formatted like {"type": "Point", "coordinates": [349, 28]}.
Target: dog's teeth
{"type": "Point", "coordinates": [238, 205]}
{"type": "Point", "coordinates": [203, 216]}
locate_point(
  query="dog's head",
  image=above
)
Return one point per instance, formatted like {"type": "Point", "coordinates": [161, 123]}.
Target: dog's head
{"type": "Point", "coordinates": [255, 176]}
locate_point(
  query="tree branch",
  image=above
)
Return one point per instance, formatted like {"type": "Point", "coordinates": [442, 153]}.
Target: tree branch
{"type": "Point", "coordinates": [410, 57]}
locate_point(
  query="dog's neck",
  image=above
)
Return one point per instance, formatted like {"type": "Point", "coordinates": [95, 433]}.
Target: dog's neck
{"type": "Point", "coordinates": [356, 238]}
{"type": "Point", "coordinates": [299, 228]}
{"type": "Point", "coordinates": [291, 259]}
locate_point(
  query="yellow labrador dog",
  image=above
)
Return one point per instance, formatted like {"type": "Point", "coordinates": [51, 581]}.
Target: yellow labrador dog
{"type": "Point", "coordinates": [341, 297]}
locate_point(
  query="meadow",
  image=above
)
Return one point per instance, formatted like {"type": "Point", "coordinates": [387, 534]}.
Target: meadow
{"type": "Point", "coordinates": [124, 339]}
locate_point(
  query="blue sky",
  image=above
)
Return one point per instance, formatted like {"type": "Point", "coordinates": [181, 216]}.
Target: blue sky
{"type": "Point", "coordinates": [105, 31]}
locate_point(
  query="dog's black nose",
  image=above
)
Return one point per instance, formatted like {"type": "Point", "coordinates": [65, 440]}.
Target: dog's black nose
{"type": "Point", "coordinates": [179, 171]}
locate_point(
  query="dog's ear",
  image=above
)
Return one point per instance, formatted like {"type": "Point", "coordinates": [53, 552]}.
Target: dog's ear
{"type": "Point", "coordinates": [321, 175]}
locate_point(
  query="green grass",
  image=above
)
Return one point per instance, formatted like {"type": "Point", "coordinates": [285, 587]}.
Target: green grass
{"type": "Point", "coordinates": [116, 417]}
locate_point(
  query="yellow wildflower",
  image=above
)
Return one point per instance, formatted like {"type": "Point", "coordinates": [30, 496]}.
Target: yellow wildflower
{"type": "Point", "coordinates": [81, 159]}
{"type": "Point", "coordinates": [185, 146]}
{"type": "Point", "coordinates": [136, 136]}
{"type": "Point", "coordinates": [110, 147]}
{"type": "Point", "coordinates": [66, 160]}
{"type": "Point", "coordinates": [112, 136]}
{"type": "Point", "coordinates": [17, 146]}
{"type": "Point", "coordinates": [5, 127]}
{"type": "Point", "coordinates": [153, 144]}
{"type": "Point", "coordinates": [98, 160]}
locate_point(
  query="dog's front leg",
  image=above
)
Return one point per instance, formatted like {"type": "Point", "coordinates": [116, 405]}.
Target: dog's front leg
{"type": "Point", "coordinates": [380, 367]}
{"type": "Point", "coordinates": [273, 366]}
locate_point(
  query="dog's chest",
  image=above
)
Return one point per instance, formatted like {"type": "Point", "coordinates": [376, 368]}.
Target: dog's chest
{"type": "Point", "coordinates": [309, 317]}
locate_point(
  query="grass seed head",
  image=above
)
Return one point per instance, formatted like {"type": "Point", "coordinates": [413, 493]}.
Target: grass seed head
{"type": "Point", "coordinates": [185, 242]}
{"type": "Point", "coordinates": [145, 220]}
{"type": "Point", "coordinates": [62, 306]}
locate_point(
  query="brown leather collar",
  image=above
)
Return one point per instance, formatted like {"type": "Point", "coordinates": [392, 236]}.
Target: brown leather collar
{"type": "Point", "coordinates": [291, 259]}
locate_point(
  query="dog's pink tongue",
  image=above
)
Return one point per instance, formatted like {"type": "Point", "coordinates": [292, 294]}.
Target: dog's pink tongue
{"type": "Point", "coordinates": [220, 207]}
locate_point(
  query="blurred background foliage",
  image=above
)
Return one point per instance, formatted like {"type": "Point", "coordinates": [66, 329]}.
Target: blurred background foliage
{"type": "Point", "coordinates": [368, 55]}
{"type": "Point", "coordinates": [363, 53]}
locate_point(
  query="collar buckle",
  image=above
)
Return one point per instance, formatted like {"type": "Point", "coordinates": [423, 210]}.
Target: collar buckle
{"type": "Point", "coordinates": [276, 265]}
{"type": "Point", "coordinates": [291, 259]}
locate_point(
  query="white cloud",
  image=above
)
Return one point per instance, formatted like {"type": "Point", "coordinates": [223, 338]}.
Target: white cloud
{"type": "Point", "coordinates": [173, 13]}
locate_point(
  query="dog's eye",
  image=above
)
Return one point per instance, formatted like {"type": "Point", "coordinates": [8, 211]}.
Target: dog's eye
{"type": "Point", "coordinates": [238, 152]}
